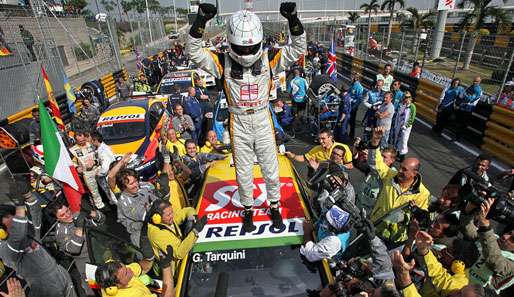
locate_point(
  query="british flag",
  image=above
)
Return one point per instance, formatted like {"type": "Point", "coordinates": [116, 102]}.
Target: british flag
{"type": "Point", "coordinates": [331, 64]}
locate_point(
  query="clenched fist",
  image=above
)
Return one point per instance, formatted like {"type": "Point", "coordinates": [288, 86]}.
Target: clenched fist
{"type": "Point", "coordinates": [207, 11]}
{"type": "Point", "coordinates": [288, 9]}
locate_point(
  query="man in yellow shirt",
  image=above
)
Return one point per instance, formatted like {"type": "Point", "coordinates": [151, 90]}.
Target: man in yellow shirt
{"type": "Point", "coordinates": [175, 143]}
{"type": "Point", "coordinates": [212, 144]}
{"type": "Point", "coordinates": [164, 230]}
{"type": "Point", "coordinates": [323, 151]}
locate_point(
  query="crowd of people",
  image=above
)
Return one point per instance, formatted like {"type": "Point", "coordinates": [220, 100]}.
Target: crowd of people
{"type": "Point", "coordinates": [384, 235]}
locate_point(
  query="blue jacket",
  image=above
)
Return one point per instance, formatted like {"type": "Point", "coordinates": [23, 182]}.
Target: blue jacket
{"type": "Point", "coordinates": [286, 116]}
{"type": "Point", "coordinates": [356, 90]}
{"type": "Point", "coordinates": [344, 238]}
{"type": "Point", "coordinates": [193, 108]}
{"type": "Point", "coordinates": [301, 93]}
{"type": "Point", "coordinates": [345, 107]}
{"type": "Point", "coordinates": [470, 98]}
{"type": "Point", "coordinates": [397, 99]}
{"type": "Point", "coordinates": [449, 96]}
{"type": "Point", "coordinates": [374, 97]}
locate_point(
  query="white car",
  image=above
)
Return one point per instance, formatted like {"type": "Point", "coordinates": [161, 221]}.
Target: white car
{"type": "Point", "coordinates": [209, 80]}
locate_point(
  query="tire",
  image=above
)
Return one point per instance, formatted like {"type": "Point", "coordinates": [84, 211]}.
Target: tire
{"type": "Point", "coordinates": [321, 84]}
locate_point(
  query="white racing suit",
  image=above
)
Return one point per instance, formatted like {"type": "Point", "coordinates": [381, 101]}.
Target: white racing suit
{"type": "Point", "coordinates": [83, 155]}
{"type": "Point", "coordinates": [250, 121]}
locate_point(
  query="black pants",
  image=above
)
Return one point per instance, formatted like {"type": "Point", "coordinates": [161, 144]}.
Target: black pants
{"type": "Point", "coordinates": [30, 47]}
{"type": "Point", "coordinates": [351, 123]}
{"type": "Point", "coordinates": [462, 119]}
{"type": "Point", "coordinates": [443, 119]}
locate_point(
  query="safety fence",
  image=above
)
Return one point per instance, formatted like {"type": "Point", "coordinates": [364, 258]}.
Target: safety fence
{"type": "Point", "coordinates": [491, 127]}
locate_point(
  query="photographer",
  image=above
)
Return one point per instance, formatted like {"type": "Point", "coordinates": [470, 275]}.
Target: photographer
{"type": "Point", "coordinates": [497, 253]}
{"type": "Point", "coordinates": [480, 167]}
{"type": "Point", "coordinates": [182, 123]}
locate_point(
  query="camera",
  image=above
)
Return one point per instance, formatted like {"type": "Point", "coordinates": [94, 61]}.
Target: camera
{"type": "Point", "coordinates": [476, 190]}
{"type": "Point", "coordinates": [422, 216]}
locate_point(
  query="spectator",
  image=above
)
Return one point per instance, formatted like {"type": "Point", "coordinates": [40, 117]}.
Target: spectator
{"type": "Point", "coordinates": [28, 258]}
{"type": "Point", "coordinates": [387, 77]}
{"type": "Point", "coordinates": [449, 199]}
{"type": "Point", "coordinates": [445, 108]}
{"type": "Point", "coordinates": [86, 160]}
{"type": "Point", "coordinates": [34, 128]}
{"type": "Point", "coordinates": [480, 167]}
{"type": "Point", "coordinates": [284, 113]}
{"type": "Point", "coordinates": [506, 98]}
{"type": "Point", "coordinates": [105, 159]}
{"type": "Point", "coordinates": [356, 90]}
{"type": "Point", "coordinates": [297, 89]}
{"type": "Point", "coordinates": [323, 151]}
{"type": "Point", "coordinates": [28, 40]}
{"type": "Point", "coordinates": [398, 187]}
{"type": "Point", "coordinates": [398, 94]}
{"type": "Point", "coordinates": [90, 114]}
{"type": "Point", "coordinates": [207, 109]}
{"type": "Point", "coordinates": [372, 183]}
{"type": "Point", "coordinates": [198, 162]}
{"type": "Point", "coordinates": [123, 88]}
{"type": "Point", "coordinates": [384, 116]}
{"type": "Point", "coordinates": [403, 126]}
{"type": "Point", "coordinates": [141, 85]}
{"type": "Point", "coordinates": [193, 108]}
{"type": "Point", "coordinates": [70, 235]}
{"type": "Point", "coordinates": [165, 231]}
{"type": "Point", "coordinates": [372, 100]}
{"type": "Point", "coordinates": [465, 105]}
{"type": "Point", "coordinates": [333, 235]}
{"type": "Point", "coordinates": [212, 144]}
{"type": "Point", "coordinates": [343, 116]}
{"type": "Point", "coordinates": [416, 71]}
{"type": "Point", "coordinates": [174, 143]}
{"type": "Point", "coordinates": [182, 123]}
{"type": "Point", "coordinates": [497, 253]}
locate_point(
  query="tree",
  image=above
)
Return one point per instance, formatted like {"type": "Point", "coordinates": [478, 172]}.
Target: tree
{"type": "Point", "coordinates": [368, 8]}
{"type": "Point", "coordinates": [481, 12]}
{"type": "Point", "coordinates": [76, 6]}
{"type": "Point", "coordinates": [418, 22]}
{"type": "Point", "coordinates": [390, 6]}
{"type": "Point", "coordinates": [353, 16]}
{"type": "Point", "coordinates": [108, 5]}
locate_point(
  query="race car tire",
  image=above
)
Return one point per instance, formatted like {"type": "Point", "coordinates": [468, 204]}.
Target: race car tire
{"type": "Point", "coordinates": [321, 84]}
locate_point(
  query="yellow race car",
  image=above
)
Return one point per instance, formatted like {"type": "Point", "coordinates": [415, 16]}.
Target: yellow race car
{"type": "Point", "coordinates": [265, 262]}
{"type": "Point", "coordinates": [134, 126]}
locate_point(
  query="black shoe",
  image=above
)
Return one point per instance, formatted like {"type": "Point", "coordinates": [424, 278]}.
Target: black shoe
{"type": "Point", "coordinates": [248, 225]}
{"type": "Point", "coordinates": [276, 218]}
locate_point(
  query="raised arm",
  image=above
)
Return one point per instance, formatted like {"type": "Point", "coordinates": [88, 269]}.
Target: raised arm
{"type": "Point", "coordinates": [203, 57]}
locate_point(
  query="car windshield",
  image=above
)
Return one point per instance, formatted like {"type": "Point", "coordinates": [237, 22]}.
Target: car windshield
{"type": "Point", "coordinates": [272, 271]}
{"type": "Point", "coordinates": [123, 131]}
{"type": "Point", "coordinates": [169, 87]}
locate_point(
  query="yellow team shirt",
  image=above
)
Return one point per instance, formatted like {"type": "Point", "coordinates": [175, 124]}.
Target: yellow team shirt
{"type": "Point", "coordinates": [208, 148]}
{"type": "Point", "coordinates": [135, 288]}
{"type": "Point", "coordinates": [178, 144]}
{"type": "Point", "coordinates": [320, 154]}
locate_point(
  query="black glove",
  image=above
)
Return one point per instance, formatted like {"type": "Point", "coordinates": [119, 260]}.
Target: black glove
{"type": "Point", "coordinates": [198, 226]}
{"type": "Point", "coordinates": [288, 10]}
{"type": "Point", "coordinates": [86, 207]}
{"type": "Point", "coordinates": [80, 221]}
{"type": "Point", "coordinates": [165, 261]}
{"type": "Point", "coordinates": [312, 293]}
{"type": "Point", "coordinates": [206, 11]}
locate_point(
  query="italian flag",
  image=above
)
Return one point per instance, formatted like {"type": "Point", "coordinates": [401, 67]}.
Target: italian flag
{"type": "Point", "coordinates": [58, 163]}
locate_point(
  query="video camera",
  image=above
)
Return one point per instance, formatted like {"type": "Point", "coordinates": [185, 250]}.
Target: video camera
{"type": "Point", "coordinates": [476, 190]}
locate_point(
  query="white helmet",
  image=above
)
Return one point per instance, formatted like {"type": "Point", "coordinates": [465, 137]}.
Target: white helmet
{"type": "Point", "coordinates": [244, 34]}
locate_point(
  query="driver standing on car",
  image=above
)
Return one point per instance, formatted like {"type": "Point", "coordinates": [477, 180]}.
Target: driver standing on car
{"type": "Point", "coordinates": [246, 74]}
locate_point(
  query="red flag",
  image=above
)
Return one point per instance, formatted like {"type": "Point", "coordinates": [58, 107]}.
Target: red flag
{"type": "Point", "coordinates": [54, 107]}
{"type": "Point", "coordinates": [74, 197]}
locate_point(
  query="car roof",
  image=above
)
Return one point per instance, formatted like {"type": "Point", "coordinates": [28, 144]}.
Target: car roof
{"type": "Point", "coordinates": [219, 201]}
{"type": "Point", "coordinates": [144, 103]}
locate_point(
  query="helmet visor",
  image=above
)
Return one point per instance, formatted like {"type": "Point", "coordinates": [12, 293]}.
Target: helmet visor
{"type": "Point", "coordinates": [246, 50]}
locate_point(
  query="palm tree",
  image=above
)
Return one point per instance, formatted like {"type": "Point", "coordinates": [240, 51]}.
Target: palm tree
{"type": "Point", "coordinates": [368, 8]}
{"type": "Point", "coordinates": [476, 19]}
{"type": "Point", "coordinates": [353, 16]}
{"type": "Point", "coordinates": [390, 6]}
{"type": "Point", "coordinates": [418, 22]}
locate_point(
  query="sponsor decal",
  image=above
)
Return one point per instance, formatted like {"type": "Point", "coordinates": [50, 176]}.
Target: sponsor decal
{"type": "Point", "coordinates": [173, 79]}
{"type": "Point", "coordinates": [222, 206]}
{"type": "Point", "coordinates": [249, 92]}
{"type": "Point", "coordinates": [121, 118]}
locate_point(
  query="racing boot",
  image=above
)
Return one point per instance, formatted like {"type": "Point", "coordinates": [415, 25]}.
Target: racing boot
{"type": "Point", "coordinates": [248, 225]}
{"type": "Point", "coordinates": [276, 217]}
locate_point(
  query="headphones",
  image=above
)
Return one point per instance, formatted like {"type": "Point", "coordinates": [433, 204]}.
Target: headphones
{"type": "Point", "coordinates": [457, 267]}
{"type": "Point", "coordinates": [108, 277]}
{"type": "Point", "coordinates": [156, 210]}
